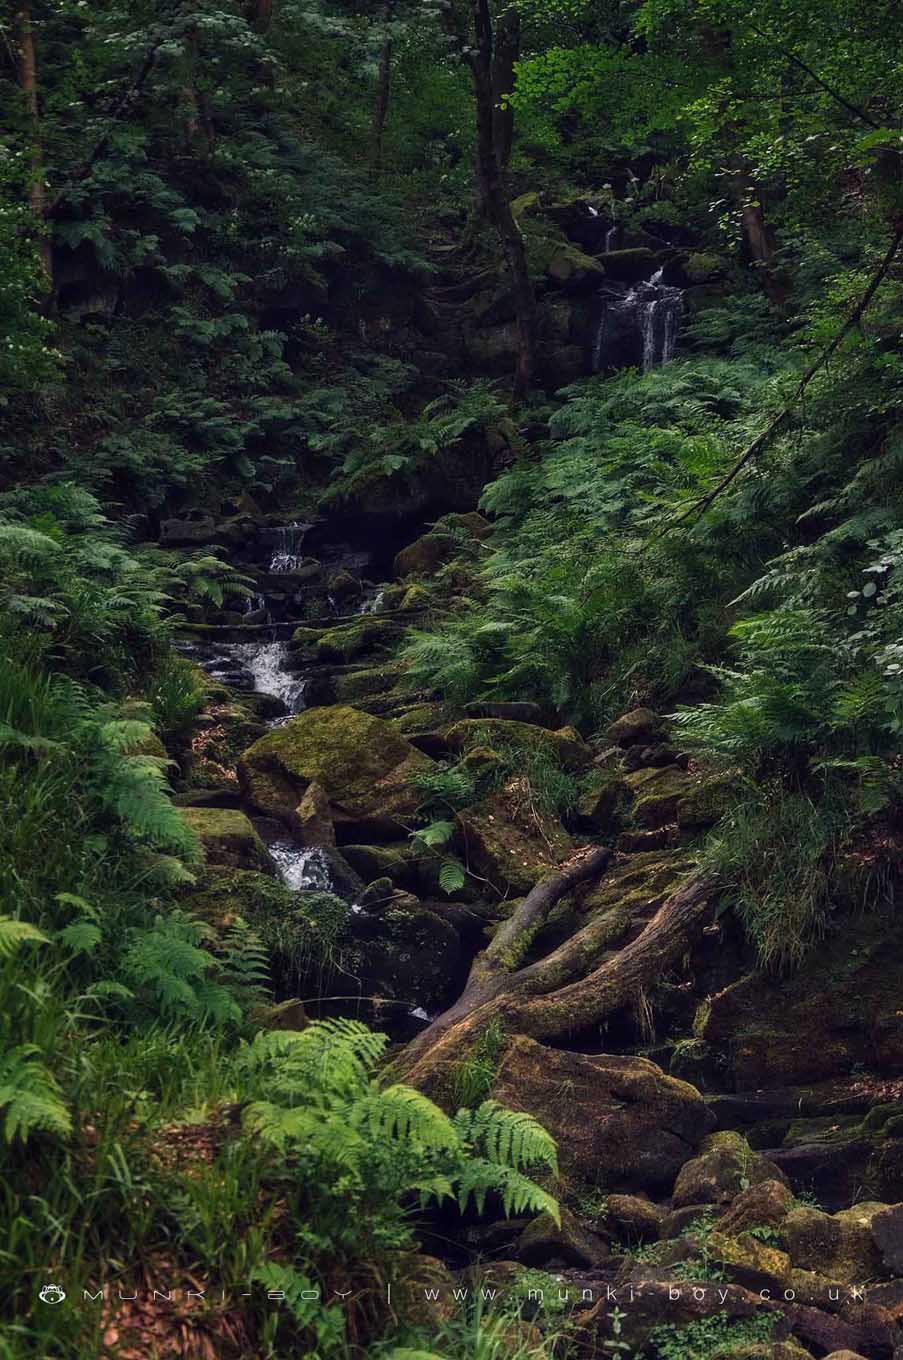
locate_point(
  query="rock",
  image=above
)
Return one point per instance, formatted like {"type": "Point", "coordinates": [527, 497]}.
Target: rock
{"type": "Point", "coordinates": [635, 1218]}
{"type": "Point", "coordinates": [549, 1244]}
{"type": "Point", "coordinates": [395, 862]}
{"type": "Point", "coordinates": [651, 757]}
{"type": "Point", "coordinates": [844, 1355]}
{"type": "Point", "coordinates": [887, 1234]}
{"type": "Point", "coordinates": [186, 533]}
{"type": "Point", "coordinates": [370, 682]}
{"type": "Point", "coordinates": [569, 264]}
{"type": "Point", "coordinates": [707, 801]}
{"type": "Point", "coordinates": [513, 711]}
{"type": "Point", "coordinates": [445, 541]}
{"type": "Point", "coordinates": [629, 266]}
{"type": "Point", "coordinates": [657, 793]}
{"type": "Point", "coordinates": [624, 1124]}
{"type": "Point", "coordinates": [424, 1295]}
{"type": "Point", "coordinates": [401, 951]}
{"type": "Point", "coordinates": [564, 748]}
{"type": "Point", "coordinates": [362, 763]}
{"type": "Point", "coordinates": [227, 838]}
{"type": "Point", "coordinates": [289, 1015]}
{"type": "Point", "coordinates": [676, 1223]}
{"type": "Point", "coordinates": [342, 585]}
{"type": "Point", "coordinates": [346, 641]}
{"type": "Point", "coordinates": [638, 727]}
{"type": "Point", "coordinates": [312, 819]}
{"type": "Point", "coordinates": [764, 1205]}
{"type": "Point", "coordinates": [604, 800]}
{"type": "Point", "coordinates": [509, 842]}
{"type": "Point", "coordinates": [725, 1166]}
{"type": "Point", "coordinates": [748, 1262]}
{"type": "Point", "coordinates": [659, 1303]}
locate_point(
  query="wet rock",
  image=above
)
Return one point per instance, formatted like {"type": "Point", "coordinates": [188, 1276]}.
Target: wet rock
{"type": "Point", "coordinates": [764, 1205]}
{"type": "Point", "coordinates": [186, 533]}
{"type": "Point", "coordinates": [552, 1245]}
{"type": "Point", "coordinates": [227, 838]}
{"type": "Point", "coordinates": [342, 585]}
{"type": "Point", "coordinates": [725, 1166]}
{"type": "Point", "coordinates": [624, 1124]}
{"type": "Point", "coordinates": [363, 764]}
{"type": "Point", "coordinates": [401, 951]}
{"type": "Point", "coordinates": [639, 727]}
{"type": "Point", "coordinates": [564, 747]}
{"type": "Point", "coordinates": [395, 862]}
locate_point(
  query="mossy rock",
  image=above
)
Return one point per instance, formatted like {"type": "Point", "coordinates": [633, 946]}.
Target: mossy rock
{"type": "Point", "coordinates": [657, 794]}
{"type": "Point", "coordinates": [630, 265]}
{"type": "Point", "coordinates": [365, 683]}
{"type": "Point", "coordinates": [703, 267]}
{"type": "Point", "coordinates": [227, 838]}
{"type": "Point", "coordinates": [509, 843]}
{"type": "Point", "coordinates": [404, 953]}
{"type": "Point", "coordinates": [348, 640]}
{"type": "Point", "coordinates": [448, 539]}
{"type": "Point", "coordinates": [567, 263]}
{"type": "Point", "coordinates": [564, 748]}
{"type": "Point", "coordinates": [603, 801]}
{"type": "Point", "coordinates": [726, 1165]}
{"type": "Point", "coordinates": [747, 1261]}
{"type": "Point", "coordinates": [417, 719]}
{"type": "Point", "coordinates": [708, 801]}
{"type": "Point", "coordinates": [619, 1122]}
{"type": "Point", "coordinates": [395, 862]}
{"type": "Point", "coordinates": [363, 763]}
{"type": "Point", "coordinates": [840, 1246]}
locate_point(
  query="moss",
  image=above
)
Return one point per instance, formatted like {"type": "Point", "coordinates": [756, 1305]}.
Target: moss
{"type": "Point", "coordinates": [362, 762]}
{"type": "Point", "coordinates": [564, 747]}
{"type": "Point", "coordinates": [708, 801]}
{"type": "Point", "coordinates": [703, 267]}
{"type": "Point", "coordinates": [657, 794]}
{"type": "Point", "coordinates": [419, 718]}
{"type": "Point", "coordinates": [348, 640]}
{"type": "Point", "coordinates": [382, 861]}
{"type": "Point", "coordinates": [365, 683]}
{"type": "Point", "coordinates": [227, 837]}
{"type": "Point", "coordinates": [513, 846]}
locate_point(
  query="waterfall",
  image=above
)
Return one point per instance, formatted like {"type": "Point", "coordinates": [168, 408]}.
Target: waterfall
{"type": "Point", "coordinates": [612, 236]}
{"type": "Point", "coordinates": [287, 555]}
{"type": "Point", "coordinates": [302, 867]}
{"type": "Point", "coordinates": [637, 327]}
{"type": "Point", "coordinates": [265, 662]}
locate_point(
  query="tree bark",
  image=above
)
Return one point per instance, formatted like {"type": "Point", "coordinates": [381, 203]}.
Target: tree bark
{"type": "Point", "coordinates": [493, 194]}
{"type": "Point", "coordinates": [532, 1000]}
{"type": "Point", "coordinates": [504, 59]}
{"type": "Point", "coordinates": [28, 83]}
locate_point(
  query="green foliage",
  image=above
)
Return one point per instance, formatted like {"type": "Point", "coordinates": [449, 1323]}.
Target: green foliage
{"type": "Point", "coordinates": [709, 1337]}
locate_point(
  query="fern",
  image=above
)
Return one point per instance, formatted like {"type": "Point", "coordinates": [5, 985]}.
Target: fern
{"type": "Point", "coordinates": [15, 933]}
{"type": "Point", "coordinates": [30, 1096]}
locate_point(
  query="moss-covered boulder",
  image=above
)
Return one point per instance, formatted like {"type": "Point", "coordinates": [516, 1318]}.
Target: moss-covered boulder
{"type": "Point", "coordinates": [401, 951]}
{"type": "Point", "coordinates": [726, 1165]}
{"type": "Point", "coordinates": [620, 1122]}
{"type": "Point", "coordinates": [508, 841]}
{"type": "Point", "coordinates": [839, 1246]}
{"type": "Point", "coordinates": [566, 1243]}
{"type": "Point", "coordinates": [639, 727]}
{"type": "Point", "coordinates": [227, 838]}
{"type": "Point", "coordinates": [362, 762]}
{"type": "Point", "coordinates": [346, 641]}
{"type": "Point", "coordinates": [366, 683]}
{"type": "Point", "coordinates": [564, 747]}
{"type": "Point", "coordinates": [657, 794]}
{"type": "Point", "coordinates": [446, 540]}
{"type": "Point", "coordinates": [747, 1261]}
{"type": "Point", "coordinates": [396, 862]}
{"type": "Point", "coordinates": [764, 1205]}
{"type": "Point", "coordinates": [603, 801]}
{"type": "Point", "coordinates": [707, 801]}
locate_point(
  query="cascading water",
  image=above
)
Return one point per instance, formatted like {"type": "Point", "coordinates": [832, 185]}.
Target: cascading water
{"type": "Point", "coordinates": [304, 868]}
{"type": "Point", "coordinates": [287, 554]}
{"type": "Point", "coordinates": [637, 327]}
{"type": "Point", "coordinates": [265, 663]}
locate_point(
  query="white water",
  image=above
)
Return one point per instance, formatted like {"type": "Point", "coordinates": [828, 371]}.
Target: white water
{"type": "Point", "coordinates": [266, 662]}
{"type": "Point", "coordinates": [302, 867]}
{"type": "Point", "coordinates": [655, 310]}
{"type": "Point", "coordinates": [287, 555]}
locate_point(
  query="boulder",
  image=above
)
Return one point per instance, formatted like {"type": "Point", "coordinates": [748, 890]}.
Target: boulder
{"type": "Point", "coordinates": [764, 1205]}
{"type": "Point", "coordinates": [603, 801]}
{"type": "Point", "coordinates": [624, 1124]}
{"type": "Point", "coordinates": [509, 842]}
{"type": "Point", "coordinates": [564, 747]}
{"type": "Point", "coordinates": [400, 951]}
{"type": "Point", "coordinates": [187, 533]}
{"type": "Point", "coordinates": [634, 1218]}
{"type": "Point", "coordinates": [552, 1245]}
{"type": "Point", "coordinates": [664, 1303]}
{"type": "Point", "coordinates": [844, 1008]}
{"type": "Point", "coordinates": [707, 801]}
{"type": "Point", "coordinates": [748, 1262]}
{"type": "Point", "coordinates": [725, 1166]}
{"type": "Point", "coordinates": [361, 762]}
{"type": "Point", "coordinates": [433, 550]}
{"type": "Point", "coordinates": [657, 793]}
{"type": "Point", "coordinates": [838, 1246]}
{"type": "Point", "coordinates": [227, 838]}
{"type": "Point", "coordinates": [639, 727]}
{"type": "Point", "coordinates": [887, 1235]}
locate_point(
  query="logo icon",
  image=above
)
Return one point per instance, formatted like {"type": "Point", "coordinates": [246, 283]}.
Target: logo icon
{"type": "Point", "coordinates": [51, 1293]}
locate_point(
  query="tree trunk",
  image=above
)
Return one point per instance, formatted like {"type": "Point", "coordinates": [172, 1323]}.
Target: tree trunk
{"type": "Point", "coordinates": [505, 55]}
{"type": "Point", "coordinates": [381, 104]}
{"type": "Point", "coordinates": [493, 194]}
{"type": "Point", "coordinates": [541, 1000]}
{"type": "Point", "coordinates": [260, 14]}
{"type": "Point", "coordinates": [28, 82]}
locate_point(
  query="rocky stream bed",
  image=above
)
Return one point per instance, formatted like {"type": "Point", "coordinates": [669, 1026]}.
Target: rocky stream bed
{"type": "Point", "coordinates": [731, 1142]}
